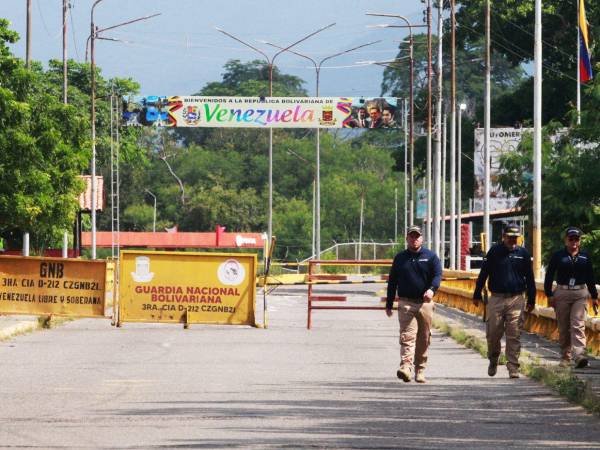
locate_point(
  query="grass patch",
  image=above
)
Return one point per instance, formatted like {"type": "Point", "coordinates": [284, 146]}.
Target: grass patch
{"type": "Point", "coordinates": [561, 380]}
{"type": "Point", "coordinates": [565, 383]}
{"type": "Point", "coordinates": [466, 339]}
{"type": "Point", "coordinates": [4, 338]}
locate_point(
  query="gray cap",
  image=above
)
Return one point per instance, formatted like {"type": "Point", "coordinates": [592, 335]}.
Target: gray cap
{"type": "Point", "coordinates": [512, 229]}
{"type": "Point", "coordinates": [414, 229]}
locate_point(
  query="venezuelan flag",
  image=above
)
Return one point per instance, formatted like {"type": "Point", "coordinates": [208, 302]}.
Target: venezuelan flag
{"type": "Point", "coordinates": [585, 62]}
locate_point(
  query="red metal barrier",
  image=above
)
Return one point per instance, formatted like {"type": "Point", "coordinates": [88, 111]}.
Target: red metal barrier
{"type": "Point", "coordinates": [314, 278]}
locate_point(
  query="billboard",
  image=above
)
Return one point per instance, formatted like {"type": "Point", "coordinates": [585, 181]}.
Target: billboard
{"type": "Point", "coordinates": [263, 112]}
{"type": "Point", "coordinates": [502, 140]}
{"type": "Point", "coordinates": [52, 286]}
{"type": "Point", "coordinates": [187, 287]}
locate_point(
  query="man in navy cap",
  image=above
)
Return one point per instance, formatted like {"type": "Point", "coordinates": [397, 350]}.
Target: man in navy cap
{"type": "Point", "coordinates": [415, 275]}
{"type": "Point", "coordinates": [574, 284]}
{"type": "Point", "coordinates": [510, 273]}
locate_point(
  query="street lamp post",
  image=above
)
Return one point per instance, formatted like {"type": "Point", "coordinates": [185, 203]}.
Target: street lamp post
{"type": "Point", "coordinates": [93, 119]}
{"type": "Point", "coordinates": [154, 218]}
{"type": "Point", "coordinates": [453, 141]}
{"type": "Point", "coordinates": [271, 63]}
{"type": "Point", "coordinates": [318, 66]}
{"type": "Point", "coordinates": [411, 208]}
{"type": "Point", "coordinates": [92, 38]}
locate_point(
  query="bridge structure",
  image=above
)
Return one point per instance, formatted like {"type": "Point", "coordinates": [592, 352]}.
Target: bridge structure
{"type": "Point", "coordinates": [334, 386]}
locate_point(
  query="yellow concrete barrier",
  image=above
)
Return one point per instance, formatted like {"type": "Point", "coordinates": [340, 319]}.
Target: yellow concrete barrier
{"type": "Point", "coordinates": [457, 291]}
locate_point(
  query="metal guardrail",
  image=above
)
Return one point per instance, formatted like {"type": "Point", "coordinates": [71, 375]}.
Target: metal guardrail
{"type": "Point", "coordinates": [314, 278]}
{"type": "Point", "coordinates": [457, 291]}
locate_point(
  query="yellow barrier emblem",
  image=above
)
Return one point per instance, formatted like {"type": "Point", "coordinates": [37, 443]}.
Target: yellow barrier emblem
{"type": "Point", "coordinates": [185, 287]}
{"type": "Point", "coordinates": [52, 286]}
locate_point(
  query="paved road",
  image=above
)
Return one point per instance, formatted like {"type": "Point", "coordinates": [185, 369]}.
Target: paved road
{"type": "Point", "coordinates": [87, 385]}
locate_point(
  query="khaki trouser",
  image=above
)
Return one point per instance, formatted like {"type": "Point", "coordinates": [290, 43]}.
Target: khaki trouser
{"type": "Point", "coordinates": [504, 317]}
{"type": "Point", "coordinates": [415, 333]}
{"type": "Point", "coordinates": [570, 314]}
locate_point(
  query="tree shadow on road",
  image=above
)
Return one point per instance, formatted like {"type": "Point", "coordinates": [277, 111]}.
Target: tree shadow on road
{"type": "Point", "coordinates": [446, 413]}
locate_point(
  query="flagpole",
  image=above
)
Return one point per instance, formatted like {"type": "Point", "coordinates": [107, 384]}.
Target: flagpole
{"type": "Point", "coordinates": [537, 143]}
{"type": "Point", "coordinates": [578, 68]}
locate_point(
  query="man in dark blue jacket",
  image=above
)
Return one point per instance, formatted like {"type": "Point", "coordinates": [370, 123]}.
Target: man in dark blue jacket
{"type": "Point", "coordinates": [510, 273]}
{"type": "Point", "coordinates": [415, 275]}
{"type": "Point", "coordinates": [574, 284]}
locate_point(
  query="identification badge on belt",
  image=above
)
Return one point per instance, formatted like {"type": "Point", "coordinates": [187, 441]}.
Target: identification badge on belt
{"type": "Point", "coordinates": [571, 282]}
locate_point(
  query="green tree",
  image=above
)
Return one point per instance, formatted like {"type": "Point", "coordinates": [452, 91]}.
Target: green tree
{"type": "Point", "coordinates": [42, 152]}
{"type": "Point", "coordinates": [512, 38]}
{"type": "Point", "coordinates": [571, 188]}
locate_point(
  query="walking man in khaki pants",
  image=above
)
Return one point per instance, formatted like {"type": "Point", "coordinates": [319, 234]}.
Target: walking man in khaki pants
{"type": "Point", "coordinates": [574, 284]}
{"type": "Point", "coordinates": [415, 275]}
{"type": "Point", "coordinates": [510, 273]}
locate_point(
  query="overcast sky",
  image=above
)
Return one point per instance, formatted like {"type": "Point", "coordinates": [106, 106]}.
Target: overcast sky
{"type": "Point", "coordinates": [180, 51]}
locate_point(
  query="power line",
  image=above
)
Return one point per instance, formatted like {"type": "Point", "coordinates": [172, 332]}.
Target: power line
{"type": "Point", "coordinates": [37, 3]}
{"type": "Point", "coordinates": [73, 31]}
{"type": "Point", "coordinates": [522, 54]}
{"type": "Point", "coordinates": [532, 35]}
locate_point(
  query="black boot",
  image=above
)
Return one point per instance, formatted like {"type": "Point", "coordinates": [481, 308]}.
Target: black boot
{"type": "Point", "coordinates": [493, 367]}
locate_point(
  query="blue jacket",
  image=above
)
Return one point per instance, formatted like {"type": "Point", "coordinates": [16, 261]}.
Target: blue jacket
{"type": "Point", "coordinates": [509, 271]}
{"type": "Point", "coordinates": [412, 274]}
{"type": "Point", "coordinates": [566, 267]}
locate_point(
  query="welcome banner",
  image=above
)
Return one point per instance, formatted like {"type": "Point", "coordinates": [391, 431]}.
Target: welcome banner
{"type": "Point", "coordinates": [260, 112]}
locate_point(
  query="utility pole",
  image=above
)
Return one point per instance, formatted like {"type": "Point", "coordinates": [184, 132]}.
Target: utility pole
{"type": "Point", "coordinates": [462, 107]}
{"type": "Point", "coordinates": [411, 164]}
{"type": "Point", "coordinates": [94, 34]}
{"type": "Point", "coordinates": [438, 135]}
{"type": "Point", "coordinates": [405, 126]}
{"type": "Point", "coordinates": [28, 37]}
{"type": "Point", "coordinates": [452, 252]}
{"type": "Point", "coordinates": [487, 120]}
{"type": "Point", "coordinates": [93, 123]}
{"type": "Point", "coordinates": [444, 206]}
{"type": "Point", "coordinates": [64, 46]}
{"type": "Point", "coordinates": [396, 213]}
{"type": "Point", "coordinates": [360, 230]}
{"type": "Point", "coordinates": [314, 220]}
{"type": "Point", "coordinates": [429, 121]}
{"type": "Point", "coordinates": [537, 143]}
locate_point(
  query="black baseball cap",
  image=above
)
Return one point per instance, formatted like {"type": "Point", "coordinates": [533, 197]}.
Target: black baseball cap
{"type": "Point", "coordinates": [573, 231]}
{"type": "Point", "coordinates": [512, 229]}
{"type": "Point", "coordinates": [414, 229]}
